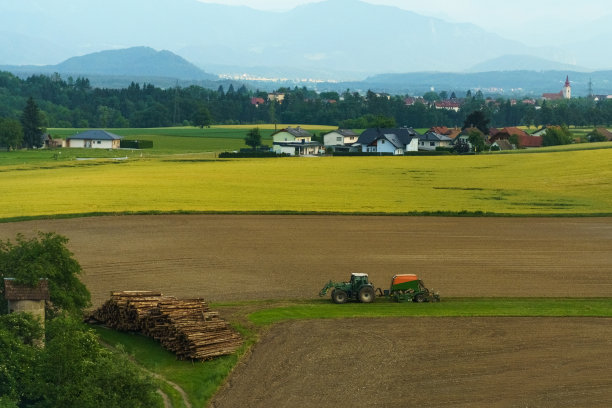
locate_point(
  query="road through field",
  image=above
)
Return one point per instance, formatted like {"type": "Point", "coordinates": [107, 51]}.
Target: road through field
{"type": "Point", "coordinates": [237, 257]}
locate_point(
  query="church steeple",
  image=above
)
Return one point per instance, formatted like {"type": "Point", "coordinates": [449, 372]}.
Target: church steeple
{"type": "Point", "coordinates": [567, 89]}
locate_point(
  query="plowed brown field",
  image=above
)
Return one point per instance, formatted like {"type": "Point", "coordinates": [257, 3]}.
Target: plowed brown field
{"type": "Point", "coordinates": [224, 257]}
{"type": "Point", "coordinates": [427, 362]}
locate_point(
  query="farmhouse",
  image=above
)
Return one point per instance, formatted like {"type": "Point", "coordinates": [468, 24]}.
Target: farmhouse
{"type": "Point", "coordinates": [96, 139]}
{"type": "Point", "coordinates": [433, 140]}
{"type": "Point", "coordinates": [524, 140]}
{"type": "Point", "coordinates": [395, 141]}
{"type": "Point", "coordinates": [340, 139]}
{"type": "Point", "coordinates": [295, 142]}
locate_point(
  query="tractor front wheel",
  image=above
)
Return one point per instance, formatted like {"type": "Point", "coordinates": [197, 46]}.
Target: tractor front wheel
{"type": "Point", "coordinates": [339, 296]}
{"type": "Point", "coordinates": [366, 294]}
{"type": "Point", "coordinates": [419, 298]}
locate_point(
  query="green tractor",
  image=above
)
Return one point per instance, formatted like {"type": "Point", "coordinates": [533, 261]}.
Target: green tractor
{"type": "Point", "coordinates": [404, 288]}
{"type": "Point", "coordinates": [358, 288]}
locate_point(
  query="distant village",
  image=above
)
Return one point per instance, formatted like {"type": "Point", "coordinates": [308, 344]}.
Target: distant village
{"type": "Point", "coordinates": [384, 140]}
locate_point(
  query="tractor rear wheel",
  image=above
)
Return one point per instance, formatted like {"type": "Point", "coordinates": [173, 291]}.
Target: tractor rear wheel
{"type": "Point", "coordinates": [419, 298]}
{"type": "Point", "coordinates": [339, 296]}
{"type": "Point", "coordinates": [366, 294]}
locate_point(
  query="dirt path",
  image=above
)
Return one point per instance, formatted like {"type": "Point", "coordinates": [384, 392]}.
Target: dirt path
{"type": "Point", "coordinates": [427, 362]}
{"type": "Point", "coordinates": [225, 257]}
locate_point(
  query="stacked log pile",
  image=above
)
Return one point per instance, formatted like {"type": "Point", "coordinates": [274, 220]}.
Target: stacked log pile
{"type": "Point", "coordinates": [186, 327]}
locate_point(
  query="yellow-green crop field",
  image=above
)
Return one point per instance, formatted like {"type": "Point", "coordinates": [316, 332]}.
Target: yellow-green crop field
{"type": "Point", "coordinates": [555, 183]}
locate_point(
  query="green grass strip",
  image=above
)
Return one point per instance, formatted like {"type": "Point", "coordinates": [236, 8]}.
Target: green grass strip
{"type": "Point", "coordinates": [199, 380]}
{"type": "Point", "coordinates": [449, 307]}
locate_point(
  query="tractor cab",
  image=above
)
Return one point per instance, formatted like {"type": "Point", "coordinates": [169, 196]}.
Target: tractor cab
{"type": "Point", "coordinates": [359, 279]}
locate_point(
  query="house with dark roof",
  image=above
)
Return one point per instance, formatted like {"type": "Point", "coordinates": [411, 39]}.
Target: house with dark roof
{"type": "Point", "coordinates": [396, 141]}
{"type": "Point", "coordinates": [295, 142]}
{"type": "Point", "coordinates": [432, 140]}
{"type": "Point", "coordinates": [340, 139]}
{"type": "Point", "coordinates": [95, 139]}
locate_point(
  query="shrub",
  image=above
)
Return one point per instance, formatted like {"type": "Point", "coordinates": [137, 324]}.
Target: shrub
{"type": "Point", "coordinates": [136, 144]}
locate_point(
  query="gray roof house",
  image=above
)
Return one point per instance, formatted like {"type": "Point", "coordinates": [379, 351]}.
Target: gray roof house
{"type": "Point", "coordinates": [97, 138]}
{"type": "Point", "coordinates": [295, 142]}
{"type": "Point", "coordinates": [395, 141]}
{"type": "Point", "coordinates": [432, 140]}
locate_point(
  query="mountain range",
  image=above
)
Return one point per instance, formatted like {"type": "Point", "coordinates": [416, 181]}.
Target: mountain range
{"type": "Point", "coordinates": [330, 40]}
{"type": "Point", "coordinates": [139, 63]}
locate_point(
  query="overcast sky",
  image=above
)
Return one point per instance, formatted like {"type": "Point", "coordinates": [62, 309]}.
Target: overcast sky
{"type": "Point", "coordinates": [516, 19]}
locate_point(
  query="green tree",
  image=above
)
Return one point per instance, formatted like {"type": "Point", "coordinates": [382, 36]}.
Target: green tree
{"type": "Point", "coordinates": [515, 140]}
{"type": "Point", "coordinates": [31, 120]}
{"type": "Point", "coordinates": [45, 256]}
{"type": "Point", "coordinates": [253, 138]}
{"type": "Point", "coordinates": [76, 371]}
{"type": "Point", "coordinates": [557, 135]}
{"type": "Point", "coordinates": [18, 332]}
{"type": "Point", "coordinates": [431, 96]}
{"type": "Point", "coordinates": [11, 133]}
{"type": "Point", "coordinates": [202, 117]}
{"type": "Point", "coordinates": [477, 140]}
{"type": "Point", "coordinates": [596, 136]}
{"type": "Point", "coordinates": [477, 119]}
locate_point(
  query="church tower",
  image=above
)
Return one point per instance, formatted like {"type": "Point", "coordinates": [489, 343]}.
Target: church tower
{"type": "Point", "coordinates": [567, 89]}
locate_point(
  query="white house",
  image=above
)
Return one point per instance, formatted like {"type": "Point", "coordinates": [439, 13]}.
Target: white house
{"type": "Point", "coordinates": [431, 140]}
{"type": "Point", "coordinates": [295, 142]}
{"type": "Point", "coordinates": [340, 137]}
{"type": "Point", "coordinates": [395, 141]}
{"type": "Point", "coordinates": [95, 139]}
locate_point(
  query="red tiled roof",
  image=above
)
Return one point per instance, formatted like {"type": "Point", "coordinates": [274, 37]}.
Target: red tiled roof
{"type": "Point", "coordinates": [441, 130]}
{"type": "Point", "coordinates": [447, 104]}
{"type": "Point", "coordinates": [553, 96]}
{"type": "Point", "coordinates": [530, 141]}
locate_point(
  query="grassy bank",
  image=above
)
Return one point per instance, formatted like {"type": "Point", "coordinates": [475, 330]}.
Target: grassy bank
{"type": "Point", "coordinates": [200, 380]}
{"type": "Point", "coordinates": [452, 307]}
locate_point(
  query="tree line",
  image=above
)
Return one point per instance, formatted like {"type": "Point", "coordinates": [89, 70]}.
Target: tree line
{"type": "Point", "coordinates": [75, 103]}
{"type": "Point", "coordinates": [72, 369]}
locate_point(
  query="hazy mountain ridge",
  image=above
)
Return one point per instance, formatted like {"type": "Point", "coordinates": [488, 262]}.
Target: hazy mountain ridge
{"type": "Point", "coordinates": [135, 62]}
{"type": "Point", "coordinates": [334, 39]}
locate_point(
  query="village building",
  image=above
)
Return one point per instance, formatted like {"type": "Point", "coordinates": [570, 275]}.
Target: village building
{"type": "Point", "coordinates": [95, 139]}
{"type": "Point", "coordinates": [276, 97]}
{"type": "Point", "coordinates": [430, 141]}
{"type": "Point", "coordinates": [395, 141]}
{"type": "Point", "coordinates": [524, 139]}
{"type": "Point", "coordinates": [565, 93]}
{"type": "Point", "coordinates": [295, 142]}
{"type": "Point", "coordinates": [340, 140]}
